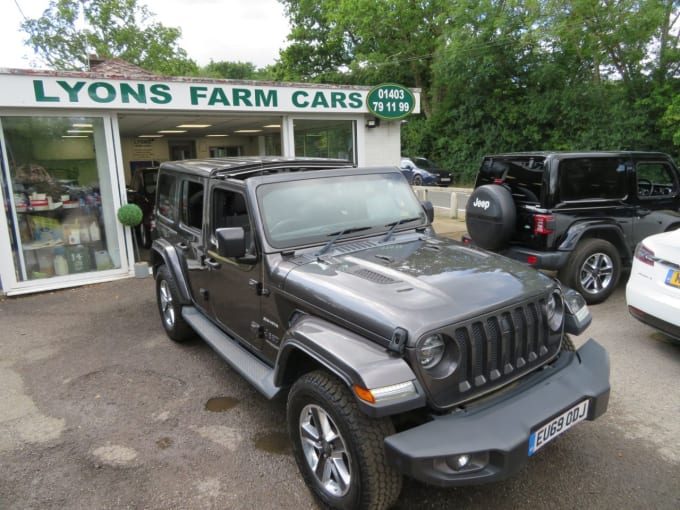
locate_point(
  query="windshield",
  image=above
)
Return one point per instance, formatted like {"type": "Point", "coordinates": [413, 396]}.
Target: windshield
{"type": "Point", "coordinates": [425, 163]}
{"type": "Point", "coordinates": [311, 211]}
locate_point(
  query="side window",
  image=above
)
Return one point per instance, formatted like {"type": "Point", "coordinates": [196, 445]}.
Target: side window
{"type": "Point", "coordinates": [167, 199]}
{"type": "Point", "coordinates": [655, 180]}
{"type": "Point", "coordinates": [192, 204]}
{"type": "Point", "coordinates": [592, 179]}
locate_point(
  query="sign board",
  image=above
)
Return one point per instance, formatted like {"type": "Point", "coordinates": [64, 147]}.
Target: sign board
{"type": "Point", "coordinates": [390, 101]}
{"type": "Point", "coordinates": [76, 91]}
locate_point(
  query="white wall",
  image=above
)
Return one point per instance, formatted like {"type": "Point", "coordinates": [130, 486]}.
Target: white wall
{"type": "Point", "coordinates": [382, 144]}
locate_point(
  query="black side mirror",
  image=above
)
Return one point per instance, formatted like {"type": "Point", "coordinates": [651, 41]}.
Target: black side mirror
{"type": "Point", "coordinates": [429, 210]}
{"type": "Point", "coordinates": [231, 242]}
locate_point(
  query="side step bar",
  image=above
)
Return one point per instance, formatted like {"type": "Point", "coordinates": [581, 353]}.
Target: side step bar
{"type": "Point", "coordinates": [245, 363]}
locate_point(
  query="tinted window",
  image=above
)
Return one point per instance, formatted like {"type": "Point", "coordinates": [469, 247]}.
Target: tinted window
{"type": "Point", "coordinates": [192, 204]}
{"type": "Point", "coordinates": [167, 202]}
{"type": "Point", "coordinates": [592, 178]}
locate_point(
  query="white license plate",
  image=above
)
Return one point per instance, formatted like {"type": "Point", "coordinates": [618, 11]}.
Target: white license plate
{"type": "Point", "coordinates": [445, 179]}
{"type": "Point", "coordinates": [557, 426]}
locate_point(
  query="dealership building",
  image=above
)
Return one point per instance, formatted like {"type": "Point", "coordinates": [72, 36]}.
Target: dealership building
{"type": "Point", "coordinates": [71, 141]}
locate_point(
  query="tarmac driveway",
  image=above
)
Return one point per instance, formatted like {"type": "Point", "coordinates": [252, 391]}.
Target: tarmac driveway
{"type": "Point", "coordinates": [99, 410]}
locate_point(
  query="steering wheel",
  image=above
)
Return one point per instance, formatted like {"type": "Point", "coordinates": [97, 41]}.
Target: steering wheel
{"type": "Point", "coordinates": [647, 188]}
{"type": "Point", "coordinates": [285, 224]}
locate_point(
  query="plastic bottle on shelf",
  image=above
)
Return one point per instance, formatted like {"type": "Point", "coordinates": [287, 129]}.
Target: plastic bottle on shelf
{"type": "Point", "coordinates": [60, 263]}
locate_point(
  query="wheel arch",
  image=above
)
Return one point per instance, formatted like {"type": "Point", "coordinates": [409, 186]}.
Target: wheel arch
{"type": "Point", "coordinates": [313, 343]}
{"type": "Point", "coordinates": [596, 230]}
{"type": "Point", "coordinates": [164, 253]}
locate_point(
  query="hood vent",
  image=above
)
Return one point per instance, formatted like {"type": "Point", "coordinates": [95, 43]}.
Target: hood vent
{"type": "Point", "coordinates": [374, 277]}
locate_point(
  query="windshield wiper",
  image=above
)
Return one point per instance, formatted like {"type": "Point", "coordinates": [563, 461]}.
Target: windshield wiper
{"type": "Point", "coordinates": [338, 235]}
{"type": "Point", "coordinates": [395, 224]}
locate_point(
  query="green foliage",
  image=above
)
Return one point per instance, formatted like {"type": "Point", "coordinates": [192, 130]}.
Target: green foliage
{"type": "Point", "coordinates": [112, 28]}
{"type": "Point", "coordinates": [130, 215]}
{"type": "Point", "coordinates": [499, 76]}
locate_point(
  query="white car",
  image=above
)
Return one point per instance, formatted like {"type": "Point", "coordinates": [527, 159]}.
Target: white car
{"type": "Point", "coordinates": [653, 290]}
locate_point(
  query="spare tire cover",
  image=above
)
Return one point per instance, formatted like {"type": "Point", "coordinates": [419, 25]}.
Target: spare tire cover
{"type": "Point", "coordinates": [490, 216]}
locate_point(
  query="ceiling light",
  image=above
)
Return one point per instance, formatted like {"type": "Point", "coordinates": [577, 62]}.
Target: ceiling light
{"type": "Point", "coordinates": [194, 125]}
{"type": "Point", "coordinates": [150, 136]}
{"type": "Point", "coordinates": [81, 125]}
{"type": "Point", "coordinates": [273, 126]}
{"type": "Point", "coordinates": [74, 136]}
{"type": "Point", "coordinates": [79, 131]}
{"type": "Point", "coordinates": [248, 131]}
{"type": "Point", "coordinates": [172, 131]}
{"type": "Point", "coordinates": [215, 135]}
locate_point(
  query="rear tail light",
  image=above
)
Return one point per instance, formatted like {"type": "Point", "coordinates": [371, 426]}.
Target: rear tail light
{"type": "Point", "coordinates": [543, 224]}
{"type": "Point", "coordinates": [644, 254]}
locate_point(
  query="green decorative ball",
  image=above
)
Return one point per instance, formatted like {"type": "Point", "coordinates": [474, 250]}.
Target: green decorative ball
{"type": "Point", "coordinates": [130, 215]}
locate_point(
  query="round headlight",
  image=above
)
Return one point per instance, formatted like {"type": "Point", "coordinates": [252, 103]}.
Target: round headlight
{"type": "Point", "coordinates": [430, 351]}
{"type": "Point", "coordinates": [554, 311]}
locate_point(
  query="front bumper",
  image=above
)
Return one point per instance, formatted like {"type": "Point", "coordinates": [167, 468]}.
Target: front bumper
{"type": "Point", "coordinates": [499, 428]}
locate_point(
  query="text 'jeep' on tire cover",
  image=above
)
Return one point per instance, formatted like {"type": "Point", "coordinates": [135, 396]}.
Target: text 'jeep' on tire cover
{"type": "Point", "coordinates": [579, 213]}
{"type": "Point", "coordinates": [399, 352]}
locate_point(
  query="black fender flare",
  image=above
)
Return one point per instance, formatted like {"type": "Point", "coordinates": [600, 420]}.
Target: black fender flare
{"type": "Point", "coordinates": [163, 252]}
{"type": "Point", "coordinates": [577, 231]}
{"type": "Point", "coordinates": [351, 357]}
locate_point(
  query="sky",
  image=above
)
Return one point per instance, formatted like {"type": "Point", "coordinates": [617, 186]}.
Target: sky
{"type": "Point", "coordinates": [221, 30]}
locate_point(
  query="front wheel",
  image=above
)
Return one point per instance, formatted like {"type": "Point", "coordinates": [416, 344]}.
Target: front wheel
{"type": "Point", "coordinates": [417, 180]}
{"type": "Point", "coordinates": [340, 450]}
{"type": "Point", "coordinates": [169, 306]}
{"type": "Point", "coordinates": [593, 269]}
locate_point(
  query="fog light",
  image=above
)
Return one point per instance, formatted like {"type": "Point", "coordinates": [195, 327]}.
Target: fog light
{"type": "Point", "coordinates": [462, 461]}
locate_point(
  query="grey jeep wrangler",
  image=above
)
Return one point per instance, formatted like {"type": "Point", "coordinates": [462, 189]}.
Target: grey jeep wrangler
{"type": "Point", "coordinates": [399, 352]}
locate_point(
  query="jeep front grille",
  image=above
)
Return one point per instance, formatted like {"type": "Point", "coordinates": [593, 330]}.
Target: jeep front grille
{"type": "Point", "coordinates": [492, 350]}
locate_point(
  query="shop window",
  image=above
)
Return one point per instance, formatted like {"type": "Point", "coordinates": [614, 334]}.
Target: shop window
{"type": "Point", "coordinates": [57, 179]}
{"type": "Point", "coordinates": [325, 139]}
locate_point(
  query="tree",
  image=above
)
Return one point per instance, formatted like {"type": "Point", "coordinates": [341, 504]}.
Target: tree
{"type": "Point", "coordinates": [112, 28]}
{"type": "Point", "coordinates": [233, 71]}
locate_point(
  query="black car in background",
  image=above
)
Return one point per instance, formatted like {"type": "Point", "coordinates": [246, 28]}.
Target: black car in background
{"type": "Point", "coordinates": [142, 192]}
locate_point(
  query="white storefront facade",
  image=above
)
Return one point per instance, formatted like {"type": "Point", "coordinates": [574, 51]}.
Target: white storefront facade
{"type": "Point", "coordinates": [69, 143]}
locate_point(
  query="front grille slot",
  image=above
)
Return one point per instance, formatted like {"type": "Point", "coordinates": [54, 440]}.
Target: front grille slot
{"type": "Point", "coordinates": [501, 346]}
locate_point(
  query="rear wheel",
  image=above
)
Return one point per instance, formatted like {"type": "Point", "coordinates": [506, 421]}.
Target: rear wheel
{"type": "Point", "coordinates": [417, 180]}
{"type": "Point", "coordinates": [340, 450]}
{"type": "Point", "coordinates": [593, 269]}
{"type": "Point", "coordinates": [169, 306]}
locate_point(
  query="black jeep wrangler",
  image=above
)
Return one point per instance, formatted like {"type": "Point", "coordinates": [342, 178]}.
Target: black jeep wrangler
{"type": "Point", "coordinates": [580, 213]}
{"type": "Point", "coordinates": [399, 352]}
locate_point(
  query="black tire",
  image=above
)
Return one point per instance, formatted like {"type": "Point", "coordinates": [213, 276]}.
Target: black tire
{"type": "Point", "coordinates": [491, 216]}
{"type": "Point", "coordinates": [167, 297]}
{"type": "Point", "coordinates": [144, 236]}
{"type": "Point", "coordinates": [593, 269]}
{"type": "Point", "coordinates": [417, 180]}
{"type": "Point", "coordinates": [357, 446]}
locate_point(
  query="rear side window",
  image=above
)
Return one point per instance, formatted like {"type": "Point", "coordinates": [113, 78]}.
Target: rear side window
{"type": "Point", "coordinates": [167, 196]}
{"type": "Point", "coordinates": [192, 204]}
{"type": "Point", "coordinates": [592, 179]}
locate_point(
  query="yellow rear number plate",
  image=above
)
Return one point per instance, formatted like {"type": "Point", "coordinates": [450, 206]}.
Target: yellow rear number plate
{"type": "Point", "coordinates": [557, 426]}
{"type": "Point", "coordinates": [673, 278]}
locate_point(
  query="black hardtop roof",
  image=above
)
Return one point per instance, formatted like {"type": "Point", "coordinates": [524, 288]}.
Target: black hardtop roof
{"type": "Point", "coordinates": [246, 166]}
{"type": "Point", "coordinates": [573, 154]}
